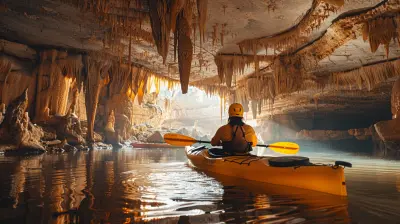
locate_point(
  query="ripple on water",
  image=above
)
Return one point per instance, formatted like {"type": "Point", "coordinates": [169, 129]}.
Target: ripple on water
{"type": "Point", "coordinates": [158, 186]}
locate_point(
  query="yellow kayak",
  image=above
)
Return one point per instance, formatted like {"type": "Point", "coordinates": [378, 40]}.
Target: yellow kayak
{"type": "Point", "coordinates": [287, 170]}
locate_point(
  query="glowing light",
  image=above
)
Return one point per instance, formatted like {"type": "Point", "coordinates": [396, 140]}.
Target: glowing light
{"type": "Point", "coordinates": [252, 122]}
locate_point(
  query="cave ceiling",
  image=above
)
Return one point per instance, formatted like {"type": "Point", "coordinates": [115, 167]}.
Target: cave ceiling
{"type": "Point", "coordinates": [232, 28]}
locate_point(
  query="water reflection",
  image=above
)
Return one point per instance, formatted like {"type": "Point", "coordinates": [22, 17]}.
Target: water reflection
{"type": "Point", "coordinates": [157, 186]}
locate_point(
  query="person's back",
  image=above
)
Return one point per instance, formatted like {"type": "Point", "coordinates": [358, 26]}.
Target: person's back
{"type": "Point", "coordinates": [236, 136]}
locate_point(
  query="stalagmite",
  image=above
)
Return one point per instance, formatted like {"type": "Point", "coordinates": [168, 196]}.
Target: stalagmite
{"type": "Point", "coordinates": [72, 107]}
{"type": "Point", "coordinates": [16, 128]}
{"type": "Point", "coordinates": [110, 122]}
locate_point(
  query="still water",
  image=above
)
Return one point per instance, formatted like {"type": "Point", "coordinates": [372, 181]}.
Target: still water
{"type": "Point", "coordinates": [157, 186]}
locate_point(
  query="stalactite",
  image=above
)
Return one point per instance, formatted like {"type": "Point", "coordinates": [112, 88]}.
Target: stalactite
{"type": "Point", "coordinates": [185, 52]}
{"type": "Point", "coordinates": [256, 65]}
{"type": "Point", "coordinates": [176, 7]}
{"type": "Point", "coordinates": [176, 37]}
{"type": "Point", "coordinates": [214, 34]}
{"type": "Point", "coordinates": [222, 33]}
{"type": "Point", "coordinates": [161, 26]}
{"type": "Point", "coordinates": [119, 74]}
{"type": "Point", "coordinates": [395, 99]}
{"type": "Point", "coordinates": [141, 91]}
{"type": "Point", "coordinates": [366, 77]}
{"type": "Point", "coordinates": [202, 12]}
{"type": "Point", "coordinates": [379, 31]}
{"type": "Point", "coordinates": [254, 108]}
{"type": "Point", "coordinates": [60, 89]}
{"type": "Point", "coordinates": [287, 75]}
{"type": "Point", "coordinates": [13, 84]}
{"type": "Point", "coordinates": [229, 65]}
{"type": "Point", "coordinates": [260, 104]}
{"type": "Point", "coordinates": [5, 68]}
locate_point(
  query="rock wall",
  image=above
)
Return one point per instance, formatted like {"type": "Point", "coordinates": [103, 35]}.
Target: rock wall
{"type": "Point", "coordinates": [395, 100]}
{"type": "Point", "coordinates": [390, 130]}
{"type": "Point", "coordinates": [62, 90]}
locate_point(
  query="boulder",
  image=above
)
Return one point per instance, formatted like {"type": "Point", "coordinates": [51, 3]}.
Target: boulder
{"type": "Point", "coordinates": [66, 127]}
{"type": "Point", "coordinates": [156, 137]}
{"type": "Point", "coordinates": [388, 130]}
{"type": "Point", "coordinates": [97, 137]}
{"type": "Point", "coordinates": [50, 134]}
{"type": "Point", "coordinates": [361, 133]}
{"type": "Point", "coordinates": [141, 137]}
{"type": "Point", "coordinates": [112, 137]}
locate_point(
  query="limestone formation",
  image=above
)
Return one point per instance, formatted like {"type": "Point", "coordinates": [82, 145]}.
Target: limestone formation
{"type": "Point", "coordinates": [390, 130]}
{"type": "Point", "coordinates": [17, 129]}
{"type": "Point", "coordinates": [325, 71]}
{"type": "Point", "coordinates": [395, 100]}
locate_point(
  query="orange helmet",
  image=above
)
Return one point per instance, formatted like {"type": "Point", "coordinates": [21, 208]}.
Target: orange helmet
{"type": "Point", "coordinates": [235, 110]}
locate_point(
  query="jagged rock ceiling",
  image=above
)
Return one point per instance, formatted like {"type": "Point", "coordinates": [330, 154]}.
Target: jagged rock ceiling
{"type": "Point", "coordinates": [233, 27]}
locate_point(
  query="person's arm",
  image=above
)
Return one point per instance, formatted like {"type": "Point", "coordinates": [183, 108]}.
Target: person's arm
{"type": "Point", "coordinates": [216, 140]}
{"type": "Point", "coordinates": [251, 136]}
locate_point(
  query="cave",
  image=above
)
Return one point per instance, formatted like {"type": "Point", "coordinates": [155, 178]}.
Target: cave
{"type": "Point", "coordinates": [93, 70]}
{"type": "Point", "coordinates": [90, 82]}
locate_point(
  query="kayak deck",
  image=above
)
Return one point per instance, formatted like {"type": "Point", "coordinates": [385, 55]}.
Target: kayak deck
{"type": "Point", "coordinates": [324, 178]}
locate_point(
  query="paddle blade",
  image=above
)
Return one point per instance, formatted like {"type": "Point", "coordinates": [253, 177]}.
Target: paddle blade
{"type": "Point", "coordinates": [284, 147]}
{"type": "Point", "coordinates": [179, 140]}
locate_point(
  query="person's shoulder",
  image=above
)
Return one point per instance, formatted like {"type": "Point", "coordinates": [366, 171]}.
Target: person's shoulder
{"type": "Point", "coordinates": [223, 127]}
{"type": "Point", "coordinates": [248, 127]}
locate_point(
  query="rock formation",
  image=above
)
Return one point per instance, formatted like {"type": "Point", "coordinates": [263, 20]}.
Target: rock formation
{"type": "Point", "coordinates": [330, 75]}
{"type": "Point", "coordinates": [390, 130]}
{"type": "Point", "coordinates": [17, 130]}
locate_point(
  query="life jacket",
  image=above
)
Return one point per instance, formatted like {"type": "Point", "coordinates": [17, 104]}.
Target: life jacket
{"type": "Point", "coordinates": [238, 144]}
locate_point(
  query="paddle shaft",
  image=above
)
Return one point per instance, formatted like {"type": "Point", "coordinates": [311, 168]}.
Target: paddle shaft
{"type": "Point", "coordinates": [199, 141]}
{"type": "Point", "coordinates": [187, 140]}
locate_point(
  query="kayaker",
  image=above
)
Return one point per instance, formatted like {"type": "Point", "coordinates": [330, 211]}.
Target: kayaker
{"type": "Point", "coordinates": [236, 137]}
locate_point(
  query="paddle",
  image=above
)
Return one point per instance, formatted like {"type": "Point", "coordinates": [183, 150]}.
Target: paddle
{"type": "Point", "coordinates": [183, 140]}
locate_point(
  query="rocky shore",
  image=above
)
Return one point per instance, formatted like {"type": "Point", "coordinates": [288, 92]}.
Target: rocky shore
{"type": "Point", "coordinates": [19, 136]}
